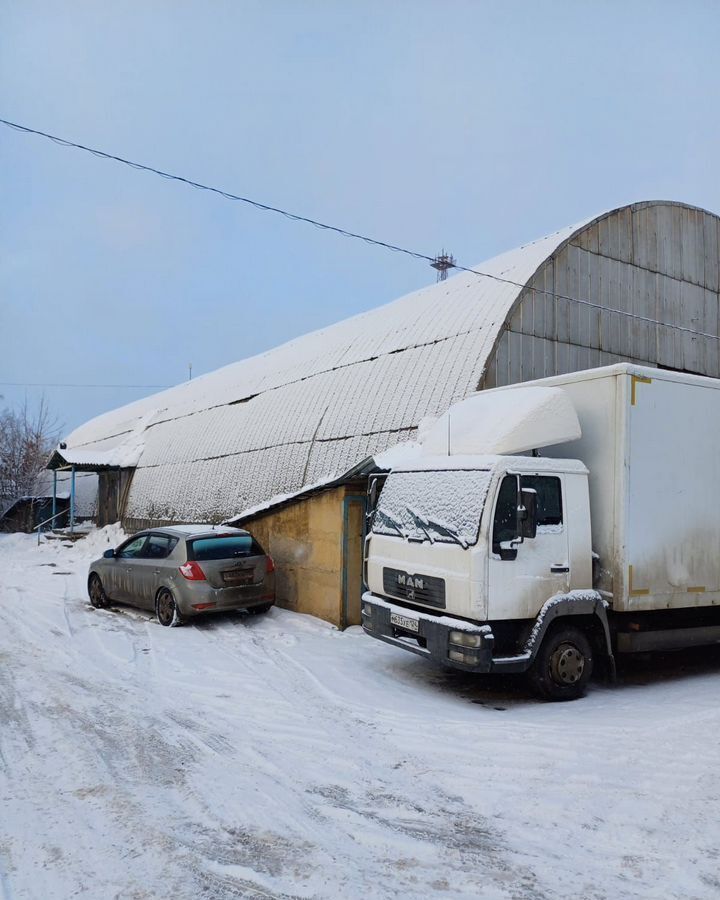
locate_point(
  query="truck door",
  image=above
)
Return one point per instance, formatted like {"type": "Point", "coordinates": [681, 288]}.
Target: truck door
{"type": "Point", "coordinates": [523, 575]}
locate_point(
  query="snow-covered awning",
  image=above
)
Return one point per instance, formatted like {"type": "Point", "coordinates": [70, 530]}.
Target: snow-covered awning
{"type": "Point", "coordinates": [122, 451]}
{"type": "Point", "coordinates": [95, 460]}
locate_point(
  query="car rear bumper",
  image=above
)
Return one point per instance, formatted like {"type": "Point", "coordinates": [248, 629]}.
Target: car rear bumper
{"type": "Point", "coordinates": [198, 598]}
{"type": "Point", "coordinates": [436, 636]}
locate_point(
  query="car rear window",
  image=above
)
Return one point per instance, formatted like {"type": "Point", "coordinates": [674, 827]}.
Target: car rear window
{"type": "Point", "coordinates": [228, 547]}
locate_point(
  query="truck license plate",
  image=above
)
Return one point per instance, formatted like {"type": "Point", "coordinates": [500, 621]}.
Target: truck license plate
{"type": "Point", "coordinates": [404, 622]}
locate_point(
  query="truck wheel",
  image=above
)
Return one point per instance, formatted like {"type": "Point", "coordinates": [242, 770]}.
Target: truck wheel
{"type": "Point", "coordinates": [563, 665]}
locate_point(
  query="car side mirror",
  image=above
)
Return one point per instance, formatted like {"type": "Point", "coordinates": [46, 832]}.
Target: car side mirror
{"type": "Point", "coordinates": [109, 554]}
{"type": "Point", "coordinates": [527, 513]}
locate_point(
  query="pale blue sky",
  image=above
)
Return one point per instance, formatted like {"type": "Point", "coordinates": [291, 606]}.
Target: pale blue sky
{"type": "Point", "coordinates": [474, 126]}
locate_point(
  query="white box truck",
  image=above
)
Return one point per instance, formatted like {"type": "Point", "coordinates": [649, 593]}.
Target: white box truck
{"type": "Point", "coordinates": [546, 527]}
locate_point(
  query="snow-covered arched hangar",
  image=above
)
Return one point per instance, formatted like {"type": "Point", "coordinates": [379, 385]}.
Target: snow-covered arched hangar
{"type": "Point", "coordinates": [638, 283]}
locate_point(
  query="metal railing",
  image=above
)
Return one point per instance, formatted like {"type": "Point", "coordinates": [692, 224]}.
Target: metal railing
{"type": "Point", "coordinates": [39, 527]}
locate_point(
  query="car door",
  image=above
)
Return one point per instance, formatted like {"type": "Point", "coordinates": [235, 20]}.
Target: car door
{"type": "Point", "coordinates": [126, 560]}
{"type": "Point", "coordinates": [522, 576]}
{"type": "Point", "coordinates": [148, 567]}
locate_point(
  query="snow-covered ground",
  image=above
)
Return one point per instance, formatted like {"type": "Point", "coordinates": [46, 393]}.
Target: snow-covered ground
{"type": "Point", "coordinates": [278, 757]}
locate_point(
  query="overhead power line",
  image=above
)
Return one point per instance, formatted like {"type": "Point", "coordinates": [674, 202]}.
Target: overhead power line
{"type": "Point", "coordinates": [295, 217]}
{"type": "Point", "coordinates": [206, 187]}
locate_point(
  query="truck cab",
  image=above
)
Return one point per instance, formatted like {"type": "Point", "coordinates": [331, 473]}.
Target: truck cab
{"type": "Point", "coordinates": [487, 540]}
{"type": "Point", "coordinates": [470, 556]}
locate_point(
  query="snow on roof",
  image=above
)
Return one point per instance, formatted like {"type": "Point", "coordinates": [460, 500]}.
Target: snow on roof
{"type": "Point", "coordinates": [310, 409]}
{"type": "Point", "coordinates": [205, 528]}
{"type": "Point", "coordinates": [118, 450]}
{"type": "Point", "coordinates": [97, 459]}
{"type": "Point", "coordinates": [482, 461]}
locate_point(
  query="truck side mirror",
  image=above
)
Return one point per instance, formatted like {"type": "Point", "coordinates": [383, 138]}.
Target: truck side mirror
{"type": "Point", "coordinates": [527, 513]}
{"type": "Point", "coordinates": [371, 503]}
{"type": "Point", "coordinates": [375, 485]}
{"type": "Point", "coordinates": [372, 494]}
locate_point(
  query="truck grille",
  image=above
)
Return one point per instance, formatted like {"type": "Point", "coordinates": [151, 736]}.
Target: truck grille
{"type": "Point", "coordinates": [414, 588]}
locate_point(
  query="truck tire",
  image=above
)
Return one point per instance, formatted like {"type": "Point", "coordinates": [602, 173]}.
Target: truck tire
{"type": "Point", "coordinates": [563, 666]}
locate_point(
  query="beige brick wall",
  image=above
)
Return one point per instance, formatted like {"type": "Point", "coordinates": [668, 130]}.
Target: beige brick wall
{"type": "Point", "coordinates": [306, 542]}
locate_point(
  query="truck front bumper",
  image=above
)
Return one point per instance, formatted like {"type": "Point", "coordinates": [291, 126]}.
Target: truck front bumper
{"type": "Point", "coordinates": [451, 642]}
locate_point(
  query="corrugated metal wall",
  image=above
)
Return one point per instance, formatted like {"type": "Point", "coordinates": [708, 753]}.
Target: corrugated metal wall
{"type": "Point", "coordinates": [656, 261]}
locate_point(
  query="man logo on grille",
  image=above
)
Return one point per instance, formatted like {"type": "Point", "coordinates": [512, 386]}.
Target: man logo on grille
{"type": "Point", "coordinates": [410, 581]}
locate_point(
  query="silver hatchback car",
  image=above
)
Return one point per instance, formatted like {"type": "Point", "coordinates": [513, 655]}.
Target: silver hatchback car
{"type": "Point", "coordinates": [184, 571]}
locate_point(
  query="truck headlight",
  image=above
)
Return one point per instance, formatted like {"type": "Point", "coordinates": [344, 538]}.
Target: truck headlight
{"type": "Point", "coordinates": [465, 639]}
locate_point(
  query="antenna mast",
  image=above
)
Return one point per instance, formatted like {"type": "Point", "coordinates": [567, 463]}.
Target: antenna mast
{"type": "Point", "coordinates": [442, 263]}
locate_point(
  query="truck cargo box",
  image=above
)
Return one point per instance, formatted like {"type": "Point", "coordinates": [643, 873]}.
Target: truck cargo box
{"type": "Point", "coordinates": [651, 440]}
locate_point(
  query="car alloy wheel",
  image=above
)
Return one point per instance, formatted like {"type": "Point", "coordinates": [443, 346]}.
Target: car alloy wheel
{"type": "Point", "coordinates": [167, 611]}
{"type": "Point", "coordinates": [98, 598]}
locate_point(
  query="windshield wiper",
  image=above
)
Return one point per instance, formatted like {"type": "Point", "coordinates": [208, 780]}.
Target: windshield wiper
{"type": "Point", "coordinates": [393, 522]}
{"type": "Point", "coordinates": [421, 522]}
{"type": "Point", "coordinates": [424, 520]}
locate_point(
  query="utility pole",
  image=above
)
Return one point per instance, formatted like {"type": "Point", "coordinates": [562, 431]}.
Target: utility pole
{"type": "Point", "coordinates": [189, 371]}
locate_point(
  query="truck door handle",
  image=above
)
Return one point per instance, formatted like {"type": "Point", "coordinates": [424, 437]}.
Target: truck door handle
{"type": "Point", "coordinates": [558, 570]}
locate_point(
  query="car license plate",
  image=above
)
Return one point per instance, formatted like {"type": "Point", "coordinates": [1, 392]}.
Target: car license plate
{"type": "Point", "coordinates": [237, 578]}
{"type": "Point", "coordinates": [404, 622]}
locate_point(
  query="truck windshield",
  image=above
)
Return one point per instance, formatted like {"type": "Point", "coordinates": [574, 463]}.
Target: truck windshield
{"type": "Point", "coordinates": [433, 505]}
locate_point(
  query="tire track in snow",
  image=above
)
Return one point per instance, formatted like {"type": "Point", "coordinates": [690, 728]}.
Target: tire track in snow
{"type": "Point", "coordinates": [350, 799]}
{"type": "Point", "coordinates": [107, 741]}
{"type": "Point", "coordinates": [378, 802]}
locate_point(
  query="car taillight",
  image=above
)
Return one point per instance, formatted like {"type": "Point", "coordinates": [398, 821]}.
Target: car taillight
{"type": "Point", "coordinates": [269, 564]}
{"type": "Point", "coordinates": [192, 571]}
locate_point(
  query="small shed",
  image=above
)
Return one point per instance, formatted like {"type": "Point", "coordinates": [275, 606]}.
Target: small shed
{"type": "Point", "coordinates": [315, 537]}
{"type": "Point", "coordinates": [26, 513]}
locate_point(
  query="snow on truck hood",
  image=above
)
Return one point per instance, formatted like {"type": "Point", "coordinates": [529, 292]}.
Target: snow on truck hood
{"type": "Point", "coordinates": [506, 422]}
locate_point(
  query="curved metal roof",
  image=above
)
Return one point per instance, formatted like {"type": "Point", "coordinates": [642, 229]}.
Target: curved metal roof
{"type": "Point", "coordinates": [315, 406]}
